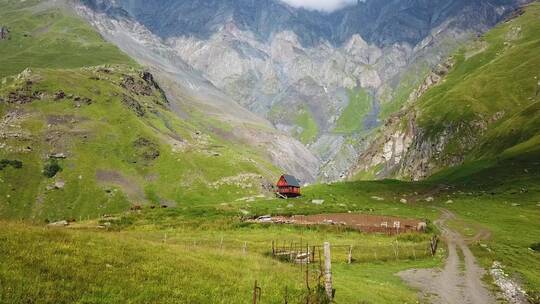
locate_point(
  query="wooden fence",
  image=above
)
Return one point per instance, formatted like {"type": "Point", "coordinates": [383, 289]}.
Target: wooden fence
{"type": "Point", "coordinates": [299, 253]}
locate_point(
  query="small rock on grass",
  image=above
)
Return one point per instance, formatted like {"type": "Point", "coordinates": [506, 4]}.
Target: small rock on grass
{"type": "Point", "coordinates": [317, 201]}
{"type": "Point", "coordinates": [58, 224]}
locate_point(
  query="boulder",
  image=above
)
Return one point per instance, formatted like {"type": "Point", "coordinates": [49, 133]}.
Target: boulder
{"type": "Point", "coordinates": [59, 95]}
{"type": "Point", "coordinates": [317, 201]}
{"type": "Point", "coordinates": [137, 86]}
{"type": "Point", "coordinates": [62, 223]}
{"type": "Point", "coordinates": [58, 156]}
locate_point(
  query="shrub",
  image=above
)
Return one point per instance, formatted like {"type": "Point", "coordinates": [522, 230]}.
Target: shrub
{"type": "Point", "coordinates": [51, 169]}
{"type": "Point", "coordinates": [17, 164]}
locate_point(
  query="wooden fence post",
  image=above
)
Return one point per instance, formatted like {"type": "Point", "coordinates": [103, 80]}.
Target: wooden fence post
{"type": "Point", "coordinates": [256, 293]}
{"type": "Point", "coordinates": [349, 256]}
{"type": "Point", "coordinates": [433, 245]}
{"type": "Point", "coordinates": [273, 249]}
{"type": "Point", "coordinates": [328, 271]}
{"type": "Point", "coordinates": [244, 249]}
{"type": "Point", "coordinates": [396, 249]}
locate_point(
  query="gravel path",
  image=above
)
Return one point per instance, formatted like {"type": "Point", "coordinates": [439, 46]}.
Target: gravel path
{"type": "Point", "coordinates": [457, 282]}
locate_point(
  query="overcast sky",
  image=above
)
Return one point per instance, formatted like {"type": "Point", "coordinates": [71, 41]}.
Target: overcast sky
{"type": "Point", "coordinates": [320, 5]}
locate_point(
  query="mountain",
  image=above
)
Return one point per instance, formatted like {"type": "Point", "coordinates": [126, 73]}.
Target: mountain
{"type": "Point", "coordinates": [326, 79]}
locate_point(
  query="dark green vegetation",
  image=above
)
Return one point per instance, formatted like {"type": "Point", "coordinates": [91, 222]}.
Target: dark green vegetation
{"type": "Point", "coordinates": [51, 168]}
{"type": "Point", "coordinates": [17, 164]}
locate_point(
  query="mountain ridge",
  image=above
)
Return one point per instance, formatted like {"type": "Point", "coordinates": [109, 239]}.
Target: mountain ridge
{"type": "Point", "coordinates": [254, 53]}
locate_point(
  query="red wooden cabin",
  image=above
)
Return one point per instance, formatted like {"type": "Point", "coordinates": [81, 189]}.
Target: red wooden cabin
{"type": "Point", "coordinates": [288, 186]}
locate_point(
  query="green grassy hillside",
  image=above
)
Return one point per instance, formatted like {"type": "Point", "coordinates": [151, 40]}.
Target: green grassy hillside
{"type": "Point", "coordinates": [492, 94]}
{"type": "Point", "coordinates": [116, 145]}
{"type": "Point", "coordinates": [107, 127]}
{"type": "Point", "coordinates": [42, 36]}
{"type": "Point", "coordinates": [486, 106]}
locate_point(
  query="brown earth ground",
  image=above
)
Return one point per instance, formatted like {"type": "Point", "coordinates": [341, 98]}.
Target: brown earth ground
{"type": "Point", "coordinates": [362, 222]}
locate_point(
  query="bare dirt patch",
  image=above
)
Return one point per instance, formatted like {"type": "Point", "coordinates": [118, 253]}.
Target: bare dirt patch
{"type": "Point", "coordinates": [361, 222]}
{"type": "Point", "coordinates": [55, 120]}
{"type": "Point", "coordinates": [130, 188]}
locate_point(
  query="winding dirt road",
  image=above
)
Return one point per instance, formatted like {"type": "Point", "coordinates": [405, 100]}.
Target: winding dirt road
{"type": "Point", "coordinates": [457, 282]}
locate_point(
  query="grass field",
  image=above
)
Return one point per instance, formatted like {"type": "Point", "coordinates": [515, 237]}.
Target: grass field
{"type": "Point", "coordinates": [175, 256]}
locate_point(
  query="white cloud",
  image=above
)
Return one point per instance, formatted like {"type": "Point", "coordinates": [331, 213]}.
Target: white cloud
{"type": "Point", "coordinates": [320, 5]}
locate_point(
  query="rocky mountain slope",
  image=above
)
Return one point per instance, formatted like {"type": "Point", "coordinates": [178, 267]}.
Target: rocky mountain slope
{"type": "Point", "coordinates": [302, 69]}
{"type": "Point", "coordinates": [481, 105]}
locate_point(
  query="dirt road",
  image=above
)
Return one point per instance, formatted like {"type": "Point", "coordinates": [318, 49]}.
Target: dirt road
{"type": "Point", "coordinates": [459, 282]}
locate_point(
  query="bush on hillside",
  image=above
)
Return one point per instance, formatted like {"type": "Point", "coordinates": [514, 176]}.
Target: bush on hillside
{"type": "Point", "coordinates": [51, 169]}
{"type": "Point", "coordinates": [17, 164]}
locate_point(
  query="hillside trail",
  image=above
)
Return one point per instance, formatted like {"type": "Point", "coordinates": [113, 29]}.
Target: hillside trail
{"type": "Point", "coordinates": [456, 283]}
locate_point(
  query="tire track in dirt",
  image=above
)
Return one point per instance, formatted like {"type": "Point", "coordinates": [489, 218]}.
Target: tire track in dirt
{"type": "Point", "coordinates": [453, 284]}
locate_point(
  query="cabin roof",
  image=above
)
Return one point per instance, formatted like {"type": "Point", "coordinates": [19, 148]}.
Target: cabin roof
{"type": "Point", "coordinates": [291, 180]}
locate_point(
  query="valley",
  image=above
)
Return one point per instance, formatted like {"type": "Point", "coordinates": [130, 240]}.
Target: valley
{"type": "Point", "coordinates": [139, 155]}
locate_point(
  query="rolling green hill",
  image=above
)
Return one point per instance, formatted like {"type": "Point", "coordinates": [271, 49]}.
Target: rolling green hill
{"type": "Point", "coordinates": [74, 101]}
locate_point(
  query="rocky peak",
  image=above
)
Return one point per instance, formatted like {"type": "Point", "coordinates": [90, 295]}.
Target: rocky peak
{"type": "Point", "coordinates": [382, 23]}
